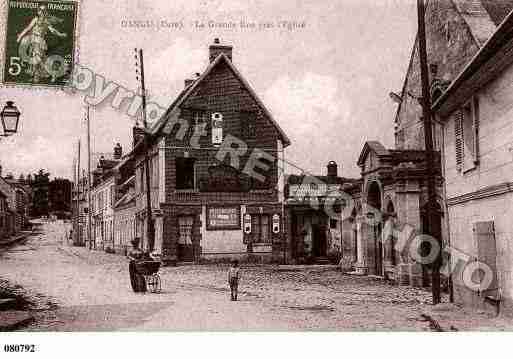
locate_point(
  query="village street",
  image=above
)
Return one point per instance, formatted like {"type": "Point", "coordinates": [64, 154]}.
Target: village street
{"type": "Point", "coordinates": [77, 289]}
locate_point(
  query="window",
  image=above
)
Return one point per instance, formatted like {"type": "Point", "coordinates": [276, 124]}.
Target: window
{"type": "Point", "coordinates": [261, 228]}
{"type": "Point", "coordinates": [185, 173]}
{"type": "Point", "coordinates": [333, 223]}
{"type": "Point", "coordinates": [248, 123]}
{"type": "Point", "coordinates": [466, 130]}
{"type": "Point", "coordinates": [112, 196]}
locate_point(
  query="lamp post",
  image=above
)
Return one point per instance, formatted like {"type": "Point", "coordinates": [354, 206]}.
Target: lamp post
{"type": "Point", "coordinates": [10, 116]}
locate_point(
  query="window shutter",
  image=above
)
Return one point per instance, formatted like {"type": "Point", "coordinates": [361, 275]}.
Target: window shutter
{"type": "Point", "coordinates": [484, 236]}
{"type": "Point", "coordinates": [458, 133]}
{"type": "Point", "coordinates": [475, 128]}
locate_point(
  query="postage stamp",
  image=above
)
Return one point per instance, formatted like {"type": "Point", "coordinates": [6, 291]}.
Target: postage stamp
{"type": "Point", "coordinates": [39, 43]}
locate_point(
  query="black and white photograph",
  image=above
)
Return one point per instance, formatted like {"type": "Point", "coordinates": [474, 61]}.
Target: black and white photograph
{"type": "Point", "coordinates": [231, 167]}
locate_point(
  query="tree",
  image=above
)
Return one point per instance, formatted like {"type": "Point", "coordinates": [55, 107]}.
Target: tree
{"type": "Point", "coordinates": [40, 189]}
{"type": "Point", "coordinates": [59, 195]}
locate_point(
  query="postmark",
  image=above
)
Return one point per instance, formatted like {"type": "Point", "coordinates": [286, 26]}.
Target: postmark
{"type": "Point", "coordinates": [39, 43]}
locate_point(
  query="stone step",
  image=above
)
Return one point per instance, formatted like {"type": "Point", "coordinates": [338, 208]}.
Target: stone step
{"type": "Point", "coordinates": [322, 260]}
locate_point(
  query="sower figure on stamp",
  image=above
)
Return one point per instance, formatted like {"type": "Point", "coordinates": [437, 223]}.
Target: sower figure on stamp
{"type": "Point", "coordinates": [33, 42]}
{"type": "Point", "coordinates": [233, 279]}
{"type": "Point", "coordinates": [136, 279]}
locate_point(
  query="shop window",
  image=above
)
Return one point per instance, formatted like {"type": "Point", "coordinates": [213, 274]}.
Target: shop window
{"type": "Point", "coordinates": [185, 173]}
{"type": "Point", "coordinates": [261, 228]}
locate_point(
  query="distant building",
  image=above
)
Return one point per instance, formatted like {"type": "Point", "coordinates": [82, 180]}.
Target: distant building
{"type": "Point", "coordinates": [4, 216]}
{"type": "Point", "coordinates": [103, 198]}
{"type": "Point", "coordinates": [313, 206]}
{"type": "Point", "coordinates": [124, 216]}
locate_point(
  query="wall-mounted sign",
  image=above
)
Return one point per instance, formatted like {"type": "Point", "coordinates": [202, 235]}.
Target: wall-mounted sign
{"type": "Point", "coordinates": [223, 217]}
{"type": "Point", "coordinates": [247, 223]}
{"type": "Point", "coordinates": [217, 128]}
{"type": "Point", "coordinates": [276, 223]}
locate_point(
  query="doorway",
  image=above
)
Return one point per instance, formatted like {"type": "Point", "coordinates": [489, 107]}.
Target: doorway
{"type": "Point", "coordinates": [185, 249]}
{"type": "Point", "coordinates": [374, 201]}
{"type": "Point", "coordinates": [319, 240]}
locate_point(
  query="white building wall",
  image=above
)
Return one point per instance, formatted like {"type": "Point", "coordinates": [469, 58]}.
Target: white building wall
{"type": "Point", "coordinates": [221, 241]}
{"type": "Point", "coordinates": [495, 167]}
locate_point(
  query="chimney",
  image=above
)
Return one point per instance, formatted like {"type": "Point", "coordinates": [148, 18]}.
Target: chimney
{"type": "Point", "coordinates": [332, 169]}
{"type": "Point", "coordinates": [137, 134]}
{"type": "Point", "coordinates": [188, 82]}
{"type": "Point", "coordinates": [217, 48]}
{"type": "Point", "coordinates": [118, 151]}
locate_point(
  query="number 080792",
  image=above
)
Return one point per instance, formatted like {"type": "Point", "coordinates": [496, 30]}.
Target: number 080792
{"type": "Point", "coordinates": [19, 348]}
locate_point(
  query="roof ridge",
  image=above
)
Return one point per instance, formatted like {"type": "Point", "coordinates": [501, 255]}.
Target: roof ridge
{"type": "Point", "coordinates": [159, 125]}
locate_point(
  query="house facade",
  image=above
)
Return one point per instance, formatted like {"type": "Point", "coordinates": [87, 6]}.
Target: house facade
{"type": "Point", "coordinates": [4, 216]}
{"type": "Point", "coordinates": [215, 170]}
{"type": "Point", "coordinates": [476, 114]}
{"type": "Point", "coordinates": [103, 199]}
{"type": "Point", "coordinates": [10, 214]}
{"type": "Point", "coordinates": [124, 216]}
{"type": "Point", "coordinates": [313, 206]}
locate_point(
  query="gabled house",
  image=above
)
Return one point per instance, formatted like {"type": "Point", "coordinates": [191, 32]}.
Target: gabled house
{"type": "Point", "coordinates": [215, 172]}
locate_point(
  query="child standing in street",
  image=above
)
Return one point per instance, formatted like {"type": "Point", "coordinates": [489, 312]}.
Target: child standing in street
{"type": "Point", "coordinates": [233, 278]}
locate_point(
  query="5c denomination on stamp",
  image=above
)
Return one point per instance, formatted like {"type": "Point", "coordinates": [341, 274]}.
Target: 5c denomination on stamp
{"type": "Point", "coordinates": [40, 42]}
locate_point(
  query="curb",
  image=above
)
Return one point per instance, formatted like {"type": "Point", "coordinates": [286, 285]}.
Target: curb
{"type": "Point", "coordinates": [14, 319]}
{"type": "Point", "coordinates": [12, 240]}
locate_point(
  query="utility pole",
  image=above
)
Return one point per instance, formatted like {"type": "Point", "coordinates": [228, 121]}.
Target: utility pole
{"type": "Point", "coordinates": [76, 232]}
{"type": "Point", "coordinates": [89, 207]}
{"type": "Point", "coordinates": [428, 142]}
{"type": "Point", "coordinates": [150, 232]}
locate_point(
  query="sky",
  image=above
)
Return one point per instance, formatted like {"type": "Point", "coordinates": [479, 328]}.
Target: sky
{"type": "Point", "coordinates": [326, 83]}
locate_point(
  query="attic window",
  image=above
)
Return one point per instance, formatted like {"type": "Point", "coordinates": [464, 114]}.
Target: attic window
{"type": "Point", "coordinates": [248, 123]}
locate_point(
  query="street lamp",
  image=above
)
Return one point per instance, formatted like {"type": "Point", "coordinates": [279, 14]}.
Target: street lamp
{"type": "Point", "coordinates": [10, 116]}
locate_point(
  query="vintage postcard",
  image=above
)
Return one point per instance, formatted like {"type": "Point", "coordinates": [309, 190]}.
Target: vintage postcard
{"type": "Point", "coordinates": [255, 166]}
{"type": "Point", "coordinates": [39, 42]}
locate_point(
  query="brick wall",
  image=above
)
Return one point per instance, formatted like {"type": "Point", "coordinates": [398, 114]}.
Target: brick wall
{"type": "Point", "coordinates": [221, 91]}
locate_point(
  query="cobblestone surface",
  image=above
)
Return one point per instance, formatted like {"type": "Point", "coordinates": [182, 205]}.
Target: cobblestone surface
{"type": "Point", "coordinates": [77, 289]}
